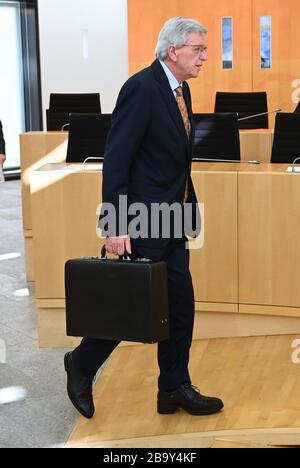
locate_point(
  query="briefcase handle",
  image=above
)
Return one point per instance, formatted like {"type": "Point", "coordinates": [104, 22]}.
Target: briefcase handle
{"type": "Point", "coordinates": [125, 257]}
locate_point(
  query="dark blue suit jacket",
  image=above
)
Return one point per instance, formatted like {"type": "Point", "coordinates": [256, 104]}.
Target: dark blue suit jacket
{"type": "Point", "coordinates": [148, 155]}
{"type": "Point", "coordinates": [2, 142]}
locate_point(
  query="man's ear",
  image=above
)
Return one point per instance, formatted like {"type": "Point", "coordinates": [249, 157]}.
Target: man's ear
{"type": "Point", "coordinates": [172, 52]}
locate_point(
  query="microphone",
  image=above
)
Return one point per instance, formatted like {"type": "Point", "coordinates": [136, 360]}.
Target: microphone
{"type": "Point", "coordinates": [63, 127]}
{"type": "Point", "coordinates": [90, 158]}
{"type": "Point", "coordinates": [294, 162]}
{"type": "Point", "coordinates": [258, 115]}
{"type": "Point", "coordinates": [84, 164]}
{"type": "Point", "coordinates": [252, 161]}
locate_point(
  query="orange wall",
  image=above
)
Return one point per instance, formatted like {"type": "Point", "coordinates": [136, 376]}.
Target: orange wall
{"type": "Point", "coordinates": [146, 17]}
{"type": "Point", "coordinates": [286, 52]}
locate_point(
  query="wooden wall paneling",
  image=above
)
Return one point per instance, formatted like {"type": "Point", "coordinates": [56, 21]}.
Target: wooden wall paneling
{"type": "Point", "coordinates": [62, 198]}
{"type": "Point", "coordinates": [48, 231]}
{"type": "Point", "coordinates": [147, 17]}
{"type": "Point", "coordinates": [282, 81]}
{"type": "Point", "coordinates": [256, 144]}
{"type": "Point", "coordinates": [214, 267]}
{"type": "Point", "coordinates": [37, 149]}
{"type": "Point", "coordinates": [269, 231]}
{"type": "Point", "coordinates": [285, 70]}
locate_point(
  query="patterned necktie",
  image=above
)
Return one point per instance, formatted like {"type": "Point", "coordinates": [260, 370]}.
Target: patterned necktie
{"type": "Point", "coordinates": [185, 117]}
{"type": "Point", "coordinates": [183, 110]}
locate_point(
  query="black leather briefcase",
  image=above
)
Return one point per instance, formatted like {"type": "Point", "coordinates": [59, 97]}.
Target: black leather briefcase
{"type": "Point", "coordinates": [117, 299]}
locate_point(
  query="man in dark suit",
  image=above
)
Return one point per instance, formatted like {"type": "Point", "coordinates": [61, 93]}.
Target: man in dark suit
{"type": "Point", "coordinates": [2, 147]}
{"type": "Point", "coordinates": [148, 158]}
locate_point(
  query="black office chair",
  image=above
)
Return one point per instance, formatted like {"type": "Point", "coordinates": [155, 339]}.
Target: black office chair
{"type": "Point", "coordinates": [245, 104]}
{"type": "Point", "coordinates": [57, 121]}
{"type": "Point", "coordinates": [286, 144]}
{"type": "Point", "coordinates": [87, 136]}
{"type": "Point", "coordinates": [297, 108]}
{"type": "Point", "coordinates": [216, 137]}
{"type": "Point", "coordinates": [61, 105]}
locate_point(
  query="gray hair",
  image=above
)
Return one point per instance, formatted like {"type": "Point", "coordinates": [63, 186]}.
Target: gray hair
{"type": "Point", "coordinates": [175, 32]}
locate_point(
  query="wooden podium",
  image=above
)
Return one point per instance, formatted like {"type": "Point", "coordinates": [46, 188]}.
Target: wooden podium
{"type": "Point", "coordinates": [37, 149]}
{"type": "Point", "coordinates": [40, 148]}
{"type": "Point", "coordinates": [244, 272]}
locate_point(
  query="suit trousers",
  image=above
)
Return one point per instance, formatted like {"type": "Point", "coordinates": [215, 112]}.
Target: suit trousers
{"type": "Point", "coordinates": [173, 354]}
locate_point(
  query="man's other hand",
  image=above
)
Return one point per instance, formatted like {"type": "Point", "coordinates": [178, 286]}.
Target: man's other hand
{"type": "Point", "coordinates": [118, 245]}
{"type": "Point", "coordinates": [2, 159]}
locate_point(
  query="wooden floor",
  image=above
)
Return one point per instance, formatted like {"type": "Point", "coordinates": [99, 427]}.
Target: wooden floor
{"type": "Point", "coordinates": [255, 377]}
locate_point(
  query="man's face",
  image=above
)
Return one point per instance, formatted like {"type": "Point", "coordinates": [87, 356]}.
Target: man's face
{"type": "Point", "coordinates": [188, 60]}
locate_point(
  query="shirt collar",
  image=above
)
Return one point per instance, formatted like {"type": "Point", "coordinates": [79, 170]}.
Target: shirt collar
{"type": "Point", "coordinates": [172, 80]}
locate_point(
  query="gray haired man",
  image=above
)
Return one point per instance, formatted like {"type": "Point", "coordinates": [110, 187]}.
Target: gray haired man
{"type": "Point", "coordinates": [148, 158]}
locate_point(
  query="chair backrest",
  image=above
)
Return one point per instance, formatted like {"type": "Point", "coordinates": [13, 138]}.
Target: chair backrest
{"type": "Point", "coordinates": [87, 136]}
{"type": "Point", "coordinates": [297, 108]}
{"type": "Point", "coordinates": [286, 144]}
{"type": "Point", "coordinates": [61, 105]}
{"type": "Point", "coordinates": [245, 104]}
{"type": "Point", "coordinates": [217, 136]}
{"type": "Point", "coordinates": [88, 103]}
{"type": "Point", "coordinates": [56, 121]}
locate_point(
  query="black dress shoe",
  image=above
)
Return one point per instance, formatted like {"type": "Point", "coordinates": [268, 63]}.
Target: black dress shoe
{"type": "Point", "coordinates": [188, 398]}
{"type": "Point", "coordinates": [79, 388]}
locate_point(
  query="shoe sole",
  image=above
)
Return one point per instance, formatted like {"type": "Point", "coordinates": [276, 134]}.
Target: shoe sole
{"type": "Point", "coordinates": [171, 409]}
{"type": "Point", "coordinates": [70, 395]}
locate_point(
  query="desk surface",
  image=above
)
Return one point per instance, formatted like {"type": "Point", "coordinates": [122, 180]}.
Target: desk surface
{"type": "Point", "coordinates": [70, 167]}
{"type": "Point", "coordinates": [269, 131]}
{"type": "Point", "coordinates": [196, 167]}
